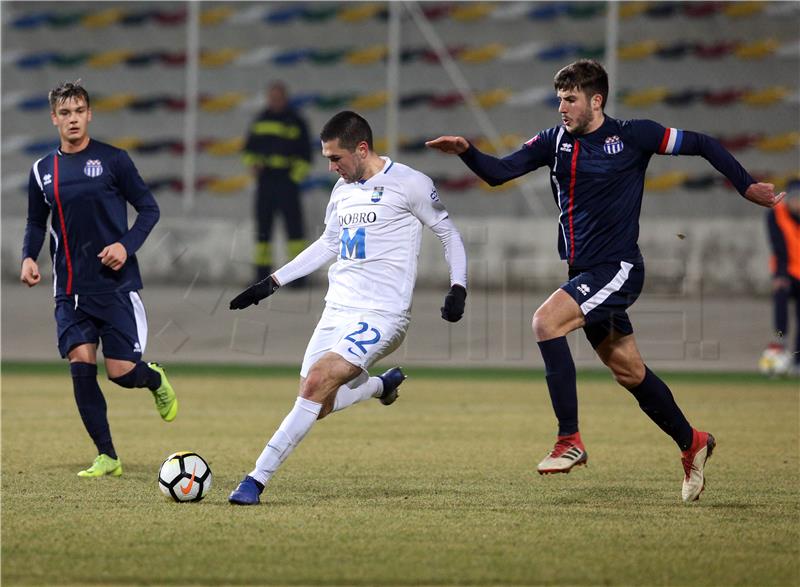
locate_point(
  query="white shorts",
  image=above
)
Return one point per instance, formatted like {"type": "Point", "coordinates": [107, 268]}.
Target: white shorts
{"type": "Point", "coordinates": [361, 337]}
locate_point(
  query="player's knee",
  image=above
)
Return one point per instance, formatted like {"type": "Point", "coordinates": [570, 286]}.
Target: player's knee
{"type": "Point", "coordinates": [315, 385]}
{"type": "Point", "coordinates": [310, 384]}
{"type": "Point", "coordinates": [542, 326]}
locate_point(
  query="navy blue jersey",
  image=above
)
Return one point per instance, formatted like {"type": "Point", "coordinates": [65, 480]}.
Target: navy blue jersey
{"type": "Point", "coordinates": [88, 194]}
{"type": "Point", "coordinates": [598, 180]}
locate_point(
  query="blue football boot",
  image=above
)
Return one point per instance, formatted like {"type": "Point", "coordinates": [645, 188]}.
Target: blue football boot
{"type": "Point", "coordinates": [247, 493]}
{"type": "Point", "coordinates": [391, 381]}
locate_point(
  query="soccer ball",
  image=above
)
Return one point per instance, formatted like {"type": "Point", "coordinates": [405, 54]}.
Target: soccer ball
{"type": "Point", "coordinates": [775, 362]}
{"type": "Point", "coordinates": [185, 476]}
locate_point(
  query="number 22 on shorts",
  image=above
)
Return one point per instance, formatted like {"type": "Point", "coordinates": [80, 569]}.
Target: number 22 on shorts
{"type": "Point", "coordinates": [362, 344]}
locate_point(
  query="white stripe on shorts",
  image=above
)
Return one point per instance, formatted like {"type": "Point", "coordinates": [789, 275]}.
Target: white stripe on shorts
{"type": "Point", "coordinates": [141, 319]}
{"type": "Point", "coordinates": [612, 286]}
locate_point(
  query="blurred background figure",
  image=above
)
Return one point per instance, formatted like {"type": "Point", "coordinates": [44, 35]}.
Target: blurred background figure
{"type": "Point", "coordinates": [783, 223]}
{"type": "Point", "coordinates": [279, 153]}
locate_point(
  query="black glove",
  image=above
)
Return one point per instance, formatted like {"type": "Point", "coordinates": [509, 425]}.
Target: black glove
{"type": "Point", "coordinates": [254, 294]}
{"type": "Point", "coordinates": [453, 307]}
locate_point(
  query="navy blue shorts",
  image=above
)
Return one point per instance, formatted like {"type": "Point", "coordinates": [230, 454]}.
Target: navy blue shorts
{"type": "Point", "coordinates": [604, 293]}
{"type": "Point", "coordinates": [116, 319]}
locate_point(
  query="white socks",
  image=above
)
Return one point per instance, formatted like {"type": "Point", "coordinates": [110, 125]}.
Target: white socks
{"type": "Point", "coordinates": [357, 390]}
{"type": "Point", "coordinates": [299, 421]}
{"type": "Point", "coordinates": [289, 434]}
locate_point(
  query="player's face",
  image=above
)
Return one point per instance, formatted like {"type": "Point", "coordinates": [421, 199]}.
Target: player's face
{"type": "Point", "coordinates": [579, 113]}
{"type": "Point", "coordinates": [350, 165]}
{"type": "Point", "coordinates": [72, 118]}
{"type": "Point", "coordinates": [277, 98]}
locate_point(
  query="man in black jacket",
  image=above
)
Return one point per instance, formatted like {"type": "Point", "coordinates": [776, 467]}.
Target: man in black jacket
{"type": "Point", "coordinates": [279, 153]}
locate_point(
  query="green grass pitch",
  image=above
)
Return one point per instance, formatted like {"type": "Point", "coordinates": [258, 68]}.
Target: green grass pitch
{"type": "Point", "coordinates": [438, 489]}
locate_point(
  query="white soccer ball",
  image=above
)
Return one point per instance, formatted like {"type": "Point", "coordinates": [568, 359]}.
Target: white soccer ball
{"type": "Point", "coordinates": [185, 476]}
{"type": "Point", "coordinates": [775, 362]}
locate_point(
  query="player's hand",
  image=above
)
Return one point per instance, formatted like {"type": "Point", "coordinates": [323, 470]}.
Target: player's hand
{"type": "Point", "coordinates": [763, 194]}
{"type": "Point", "coordinates": [29, 275]}
{"type": "Point", "coordinates": [113, 256]}
{"type": "Point", "coordinates": [449, 144]}
{"type": "Point", "coordinates": [255, 293]}
{"type": "Point", "coordinates": [454, 302]}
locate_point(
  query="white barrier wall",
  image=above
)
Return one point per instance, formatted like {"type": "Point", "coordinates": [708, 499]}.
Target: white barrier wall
{"type": "Point", "coordinates": [682, 255]}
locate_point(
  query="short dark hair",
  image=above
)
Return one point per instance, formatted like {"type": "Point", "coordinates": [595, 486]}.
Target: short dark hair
{"type": "Point", "coordinates": [278, 84]}
{"type": "Point", "coordinates": [585, 75]}
{"type": "Point", "coordinates": [67, 91]}
{"type": "Point", "coordinates": [349, 128]}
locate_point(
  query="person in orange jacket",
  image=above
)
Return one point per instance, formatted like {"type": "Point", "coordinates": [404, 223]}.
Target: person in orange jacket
{"type": "Point", "coordinates": [783, 223]}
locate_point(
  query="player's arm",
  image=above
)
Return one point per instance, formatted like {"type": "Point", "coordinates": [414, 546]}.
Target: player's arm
{"type": "Point", "coordinates": [425, 204]}
{"type": "Point", "coordinates": [307, 261]}
{"type": "Point", "coordinates": [313, 257]}
{"type": "Point", "coordinates": [35, 230]}
{"type": "Point", "coordinates": [136, 192]}
{"type": "Point", "coordinates": [493, 170]}
{"type": "Point", "coordinates": [456, 256]}
{"type": "Point", "coordinates": [673, 141]}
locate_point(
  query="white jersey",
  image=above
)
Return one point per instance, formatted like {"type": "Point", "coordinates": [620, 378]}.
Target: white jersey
{"type": "Point", "coordinates": [376, 226]}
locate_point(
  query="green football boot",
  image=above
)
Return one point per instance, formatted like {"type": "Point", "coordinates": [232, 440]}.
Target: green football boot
{"type": "Point", "coordinates": [103, 465]}
{"type": "Point", "coordinates": [166, 402]}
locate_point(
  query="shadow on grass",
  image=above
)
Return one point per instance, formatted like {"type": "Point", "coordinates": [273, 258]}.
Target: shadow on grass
{"type": "Point", "coordinates": [732, 505]}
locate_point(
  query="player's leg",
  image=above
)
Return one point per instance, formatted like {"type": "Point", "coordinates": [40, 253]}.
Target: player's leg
{"type": "Point", "coordinates": [796, 350]}
{"type": "Point", "coordinates": [777, 351]}
{"type": "Point", "coordinates": [142, 375]}
{"type": "Point", "coordinates": [367, 339]}
{"type": "Point", "coordinates": [780, 309]}
{"type": "Point", "coordinates": [594, 294]}
{"type": "Point", "coordinates": [329, 382]}
{"type": "Point", "coordinates": [619, 352]}
{"type": "Point", "coordinates": [361, 338]}
{"type": "Point", "coordinates": [124, 336]}
{"type": "Point", "coordinates": [93, 410]}
{"type": "Point", "coordinates": [555, 318]}
{"type": "Point", "coordinates": [322, 381]}
{"type": "Point", "coordinates": [364, 387]}
{"type": "Point", "coordinates": [621, 355]}
{"type": "Point", "coordinates": [77, 341]}
{"type": "Point", "coordinates": [264, 205]}
{"type": "Point", "coordinates": [329, 373]}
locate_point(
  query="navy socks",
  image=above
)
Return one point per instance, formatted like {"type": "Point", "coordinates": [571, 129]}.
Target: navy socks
{"type": "Point", "coordinates": [92, 406]}
{"type": "Point", "coordinates": [560, 374]}
{"type": "Point", "coordinates": [654, 397]}
{"type": "Point", "coordinates": [656, 401]}
{"type": "Point", "coordinates": [140, 376]}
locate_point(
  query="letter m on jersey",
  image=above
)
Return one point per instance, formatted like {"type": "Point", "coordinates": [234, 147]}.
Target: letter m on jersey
{"type": "Point", "coordinates": [353, 247]}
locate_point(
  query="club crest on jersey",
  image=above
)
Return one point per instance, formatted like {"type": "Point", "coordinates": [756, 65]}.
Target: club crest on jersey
{"type": "Point", "coordinates": [566, 147]}
{"type": "Point", "coordinates": [47, 179]}
{"type": "Point", "coordinates": [93, 168]}
{"type": "Point", "coordinates": [377, 194]}
{"type": "Point", "coordinates": [613, 145]}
